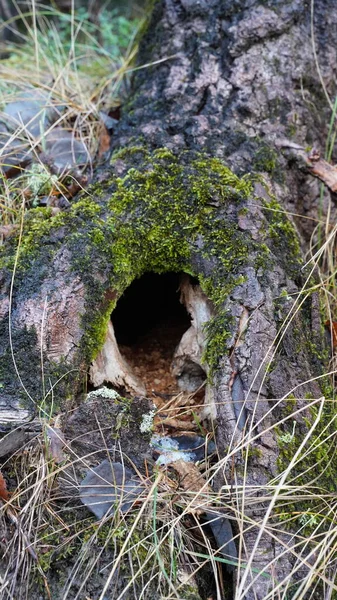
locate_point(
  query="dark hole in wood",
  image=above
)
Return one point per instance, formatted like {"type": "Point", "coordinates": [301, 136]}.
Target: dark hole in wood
{"type": "Point", "coordinates": [150, 304]}
{"type": "Point", "coordinates": [149, 322]}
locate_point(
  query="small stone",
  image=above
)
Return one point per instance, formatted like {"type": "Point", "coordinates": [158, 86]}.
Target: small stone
{"type": "Point", "coordinates": [68, 153]}
{"type": "Point", "coordinates": [108, 487]}
{"type": "Point", "coordinates": [32, 110]}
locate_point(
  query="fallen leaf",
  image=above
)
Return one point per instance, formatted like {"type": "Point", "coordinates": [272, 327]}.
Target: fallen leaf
{"type": "Point", "coordinates": [108, 487]}
{"type": "Point", "coordinates": [7, 230]}
{"type": "Point", "coordinates": [332, 326]}
{"type": "Point", "coordinates": [103, 142]}
{"type": "Point", "coordinates": [4, 495]}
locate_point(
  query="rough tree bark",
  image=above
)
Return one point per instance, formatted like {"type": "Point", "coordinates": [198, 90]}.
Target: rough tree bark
{"type": "Point", "coordinates": [231, 90]}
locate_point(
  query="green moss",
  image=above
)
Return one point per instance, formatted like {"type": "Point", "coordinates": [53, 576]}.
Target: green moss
{"type": "Point", "coordinates": [170, 202]}
{"type": "Point", "coordinates": [164, 214]}
{"type": "Point", "coordinates": [254, 452]}
{"type": "Point", "coordinates": [95, 331]}
{"type": "Point", "coordinates": [290, 404]}
{"type": "Point", "coordinates": [314, 469]}
{"type": "Point", "coordinates": [266, 159]}
{"type": "Point", "coordinates": [189, 592]}
{"type": "Point", "coordinates": [284, 237]}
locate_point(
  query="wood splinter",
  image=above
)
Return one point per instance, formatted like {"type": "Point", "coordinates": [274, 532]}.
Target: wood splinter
{"type": "Point", "coordinates": [321, 169]}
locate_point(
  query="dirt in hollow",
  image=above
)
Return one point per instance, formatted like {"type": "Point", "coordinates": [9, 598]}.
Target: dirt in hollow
{"type": "Point", "coordinates": [149, 322]}
{"type": "Point", "coordinates": [151, 357]}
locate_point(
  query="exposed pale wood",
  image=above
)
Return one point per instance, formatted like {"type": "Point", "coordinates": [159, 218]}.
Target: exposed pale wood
{"type": "Point", "coordinates": [192, 345]}
{"type": "Point", "coordinates": [111, 367]}
{"type": "Point", "coordinates": [13, 415]}
{"type": "Point", "coordinates": [193, 342]}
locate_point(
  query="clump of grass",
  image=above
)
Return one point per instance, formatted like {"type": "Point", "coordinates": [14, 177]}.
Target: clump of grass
{"type": "Point", "coordinates": [63, 551]}
{"type": "Point", "coordinates": [82, 67]}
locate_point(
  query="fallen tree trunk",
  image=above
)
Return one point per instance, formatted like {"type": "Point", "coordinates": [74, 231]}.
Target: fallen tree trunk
{"type": "Point", "coordinates": [200, 178]}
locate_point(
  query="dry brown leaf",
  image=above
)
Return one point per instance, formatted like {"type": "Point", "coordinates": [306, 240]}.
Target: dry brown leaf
{"type": "Point", "coordinates": [191, 480]}
{"type": "Point", "coordinates": [4, 495]}
{"type": "Point", "coordinates": [7, 230]}
{"type": "Point", "coordinates": [332, 326]}
{"type": "Point", "coordinates": [104, 142]}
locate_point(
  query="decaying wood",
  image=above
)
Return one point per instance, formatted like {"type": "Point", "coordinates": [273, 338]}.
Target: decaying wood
{"type": "Point", "coordinates": [312, 162]}
{"type": "Point", "coordinates": [193, 343]}
{"type": "Point", "coordinates": [176, 423]}
{"type": "Point", "coordinates": [111, 367]}
{"type": "Point", "coordinates": [13, 415]}
{"type": "Point", "coordinates": [322, 169]}
{"type": "Point", "coordinates": [190, 351]}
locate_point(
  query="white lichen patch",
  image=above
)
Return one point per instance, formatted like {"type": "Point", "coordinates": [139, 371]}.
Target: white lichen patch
{"type": "Point", "coordinates": [103, 392]}
{"type": "Point", "coordinates": [40, 181]}
{"type": "Point", "coordinates": [308, 520]}
{"type": "Point", "coordinates": [146, 425]}
{"type": "Point", "coordinates": [288, 437]}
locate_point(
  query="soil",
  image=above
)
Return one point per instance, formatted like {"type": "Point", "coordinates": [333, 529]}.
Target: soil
{"type": "Point", "coordinates": [151, 357]}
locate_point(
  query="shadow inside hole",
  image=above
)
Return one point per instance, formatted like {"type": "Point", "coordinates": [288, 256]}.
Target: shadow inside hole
{"type": "Point", "coordinates": [150, 305]}
{"type": "Point", "coordinates": [149, 322]}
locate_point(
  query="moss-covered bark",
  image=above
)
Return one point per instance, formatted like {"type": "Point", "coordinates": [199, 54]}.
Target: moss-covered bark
{"type": "Point", "coordinates": [165, 213]}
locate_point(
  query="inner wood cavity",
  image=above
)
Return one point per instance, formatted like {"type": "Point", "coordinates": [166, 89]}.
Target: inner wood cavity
{"type": "Point", "coordinates": [149, 322]}
{"type": "Point", "coordinates": [155, 340]}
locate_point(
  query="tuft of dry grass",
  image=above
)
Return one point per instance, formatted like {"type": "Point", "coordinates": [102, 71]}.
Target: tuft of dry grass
{"type": "Point", "coordinates": [60, 57]}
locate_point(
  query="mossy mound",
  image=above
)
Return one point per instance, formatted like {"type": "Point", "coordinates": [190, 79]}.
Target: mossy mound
{"type": "Point", "coordinates": [164, 213]}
